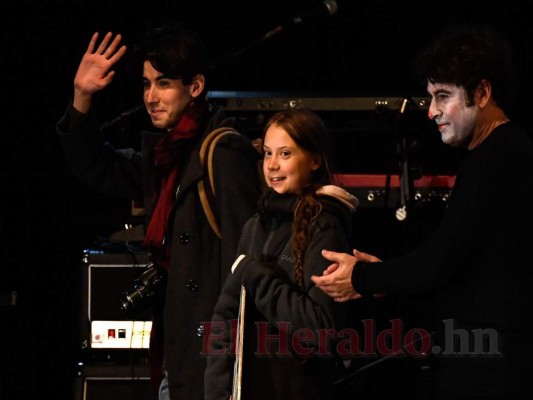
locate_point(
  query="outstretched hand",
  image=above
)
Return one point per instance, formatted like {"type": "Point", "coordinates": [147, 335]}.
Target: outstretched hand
{"type": "Point", "coordinates": [336, 280]}
{"type": "Point", "coordinates": [94, 72]}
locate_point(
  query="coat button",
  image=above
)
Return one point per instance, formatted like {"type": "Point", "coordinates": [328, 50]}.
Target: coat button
{"type": "Point", "coordinates": [193, 285]}
{"type": "Point", "coordinates": [184, 238]}
{"type": "Point", "coordinates": [200, 330]}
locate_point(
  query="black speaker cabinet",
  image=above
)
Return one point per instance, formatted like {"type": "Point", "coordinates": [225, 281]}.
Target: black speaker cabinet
{"type": "Point", "coordinates": [113, 382]}
{"type": "Point", "coordinates": [104, 324]}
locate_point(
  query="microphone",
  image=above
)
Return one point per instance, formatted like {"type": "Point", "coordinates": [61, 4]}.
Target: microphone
{"type": "Point", "coordinates": [126, 113]}
{"type": "Point", "coordinates": [328, 7]}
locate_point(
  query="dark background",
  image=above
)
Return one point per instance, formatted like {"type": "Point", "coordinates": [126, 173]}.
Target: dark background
{"type": "Point", "coordinates": [47, 216]}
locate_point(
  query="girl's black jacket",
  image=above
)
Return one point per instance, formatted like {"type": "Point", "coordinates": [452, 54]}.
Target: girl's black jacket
{"type": "Point", "coordinates": [289, 345]}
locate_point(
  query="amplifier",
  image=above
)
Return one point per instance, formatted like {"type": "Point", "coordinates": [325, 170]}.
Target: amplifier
{"type": "Point", "coordinates": [111, 381]}
{"type": "Point", "coordinates": [383, 191]}
{"type": "Point", "coordinates": [104, 324]}
{"type": "Point", "coordinates": [276, 101]}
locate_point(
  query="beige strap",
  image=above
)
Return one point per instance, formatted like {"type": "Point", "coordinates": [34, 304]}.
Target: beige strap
{"type": "Point", "coordinates": [207, 210]}
{"type": "Point", "coordinates": [208, 146]}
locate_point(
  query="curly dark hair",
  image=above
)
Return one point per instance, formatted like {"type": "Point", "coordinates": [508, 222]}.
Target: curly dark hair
{"type": "Point", "coordinates": [464, 56]}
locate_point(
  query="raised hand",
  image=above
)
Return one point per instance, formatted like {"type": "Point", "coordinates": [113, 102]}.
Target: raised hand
{"type": "Point", "coordinates": [94, 72]}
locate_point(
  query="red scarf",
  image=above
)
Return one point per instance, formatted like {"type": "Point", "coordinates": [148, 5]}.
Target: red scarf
{"type": "Point", "coordinates": [169, 155]}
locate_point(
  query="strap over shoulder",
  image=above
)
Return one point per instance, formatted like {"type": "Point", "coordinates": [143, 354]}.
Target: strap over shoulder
{"type": "Point", "coordinates": [206, 186]}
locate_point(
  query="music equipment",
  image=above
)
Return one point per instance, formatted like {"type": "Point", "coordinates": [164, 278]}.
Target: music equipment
{"type": "Point", "coordinates": [383, 191]}
{"type": "Point", "coordinates": [104, 325]}
{"type": "Point", "coordinates": [113, 361]}
{"type": "Point", "coordinates": [382, 145]}
{"type": "Point", "coordinates": [365, 130]}
{"type": "Point", "coordinates": [277, 101]}
{"type": "Point", "coordinates": [112, 381]}
{"type": "Point", "coordinates": [328, 8]}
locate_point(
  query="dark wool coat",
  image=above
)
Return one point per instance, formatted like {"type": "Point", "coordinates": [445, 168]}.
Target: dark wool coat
{"type": "Point", "coordinates": [199, 260]}
{"type": "Point", "coordinates": [275, 301]}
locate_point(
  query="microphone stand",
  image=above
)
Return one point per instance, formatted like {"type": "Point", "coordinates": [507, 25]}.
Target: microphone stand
{"type": "Point", "coordinates": [379, 361]}
{"type": "Point", "coordinates": [242, 50]}
{"type": "Point", "coordinates": [404, 145]}
{"type": "Point", "coordinates": [329, 6]}
{"type": "Point", "coordinates": [124, 114]}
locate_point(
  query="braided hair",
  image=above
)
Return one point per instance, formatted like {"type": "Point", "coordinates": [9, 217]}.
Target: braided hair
{"type": "Point", "coordinates": [309, 132]}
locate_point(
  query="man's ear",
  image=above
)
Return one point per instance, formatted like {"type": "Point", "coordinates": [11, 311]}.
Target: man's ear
{"type": "Point", "coordinates": [483, 93]}
{"type": "Point", "coordinates": [197, 85]}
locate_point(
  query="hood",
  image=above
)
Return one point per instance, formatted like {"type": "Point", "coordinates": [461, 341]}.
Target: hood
{"type": "Point", "coordinates": [349, 200]}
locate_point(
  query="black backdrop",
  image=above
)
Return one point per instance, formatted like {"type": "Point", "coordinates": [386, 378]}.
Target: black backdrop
{"type": "Point", "coordinates": [47, 217]}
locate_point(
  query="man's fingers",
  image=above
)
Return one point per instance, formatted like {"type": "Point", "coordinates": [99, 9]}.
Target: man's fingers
{"type": "Point", "coordinates": [342, 299]}
{"type": "Point", "coordinates": [321, 281]}
{"type": "Point", "coordinates": [110, 51]}
{"type": "Point", "coordinates": [90, 48]}
{"type": "Point", "coordinates": [360, 256]}
{"type": "Point", "coordinates": [113, 59]}
{"type": "Point", "coordinates": [332, 256]}
{"type": "Point", "coordinates": [103, 44]}
{"type": "Point", "coordinates": [332, 268]}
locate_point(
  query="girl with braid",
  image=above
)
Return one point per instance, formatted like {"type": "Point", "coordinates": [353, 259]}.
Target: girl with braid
{"type": "Point", "coordinates": [289, 325]}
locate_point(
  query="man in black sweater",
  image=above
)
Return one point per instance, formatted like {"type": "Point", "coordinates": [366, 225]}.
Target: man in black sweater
{"type": "Point", "coordinates": [477, 259]}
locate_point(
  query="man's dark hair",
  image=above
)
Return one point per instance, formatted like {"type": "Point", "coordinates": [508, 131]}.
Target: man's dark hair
{"type": "Point", "coordinates": [464, 56]}
{"type": "Point", "coordinates": [175, 52]}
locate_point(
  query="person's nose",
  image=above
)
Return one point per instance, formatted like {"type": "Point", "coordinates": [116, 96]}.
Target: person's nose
{"type": "Point", "coordinates": [273, 163]}
{"type": "Point", "coordinates": [433, 110]}
{"type": "Point", "coordinates": [150, 94]}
